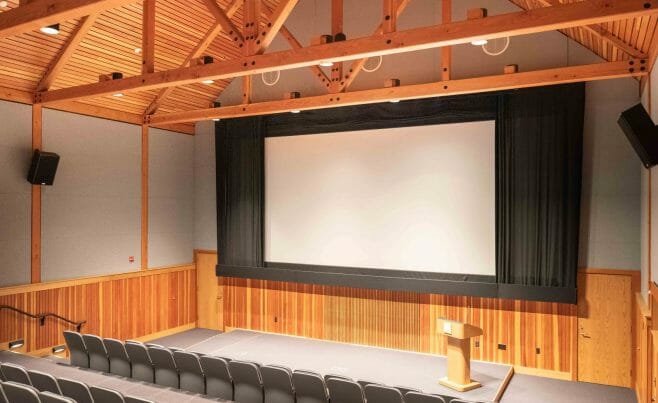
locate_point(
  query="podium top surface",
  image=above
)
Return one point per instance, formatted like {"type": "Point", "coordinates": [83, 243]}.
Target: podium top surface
{"type": "Point", "coordinates": [458, 330]}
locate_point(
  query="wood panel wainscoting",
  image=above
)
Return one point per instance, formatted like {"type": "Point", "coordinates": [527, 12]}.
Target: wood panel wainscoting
{"type": "Point", "coordinates": [539, 338]}
{"type": "Point", "coordinates": [133, 305]}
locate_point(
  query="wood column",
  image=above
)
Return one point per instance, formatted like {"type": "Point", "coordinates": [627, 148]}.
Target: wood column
{"type": "Point", "coordinates": [145, 198]}
{"type": "Point", "coordinates": [35, 270]}
{"type": "Point", "coordinates": [446, 51]}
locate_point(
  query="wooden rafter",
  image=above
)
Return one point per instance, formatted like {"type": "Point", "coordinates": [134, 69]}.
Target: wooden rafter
{"type": "Point", "coordinates": [64, 55]}
{"type": "Point", "coordinates": [337, 11]}
{"type": "Point", "coordinates": [512, 24]}
{"type": "Point", "coordinates": [277, 18]}
{"type": "Point", "coordinates": [148, 36]}
{"type": "Point", "coordinates": [603, 34]}
{"type": "Point", "coordinates": [251, 26]}
{"type": "Point", "coordinates": [561, 75]}
{"type": "Point", "coordinates": [357, 65]}
{"type": "Point", "coordinates": [446, 51]}
{"type": "Point", "coordinates": [201, 47]}
{"type": "Point", "coordinates": [224, 20]}
{"type": "Point", "coordinates": [295, 44]}
{"type": "Point", "coordinates": [39, 13]}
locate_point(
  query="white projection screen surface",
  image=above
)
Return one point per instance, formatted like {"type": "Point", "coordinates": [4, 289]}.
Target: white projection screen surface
{"type": "Point", "coordinates": [415, 198]}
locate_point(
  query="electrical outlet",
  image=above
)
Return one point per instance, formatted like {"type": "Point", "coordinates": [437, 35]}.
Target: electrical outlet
{"type": "Point", "coordinates": [502, 346]}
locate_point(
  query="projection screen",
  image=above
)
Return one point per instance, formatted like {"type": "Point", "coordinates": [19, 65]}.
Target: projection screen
{"type": "Point", "coordinates": [414, 198]}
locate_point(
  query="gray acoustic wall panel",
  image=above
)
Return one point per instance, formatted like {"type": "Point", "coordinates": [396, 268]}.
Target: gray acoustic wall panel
{"type": "Point", "coordinates": [205, 208]}
{"type": "Point", "coordinates": [171, 198]}
{"type": "Point", "coordinates": [15, 193]}
{"type": "Point", "coordinates": [91, 221]}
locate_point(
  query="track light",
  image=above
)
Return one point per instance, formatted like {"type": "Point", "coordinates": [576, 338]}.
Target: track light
{"type": "Point", "coordinates": [50, 29]}
{"type": "Point", "coordinates": [16, 344]}
{"type": "Point", "coordinates": [59, 349]}
{"type": "Point", "coordinates": [479, 42]}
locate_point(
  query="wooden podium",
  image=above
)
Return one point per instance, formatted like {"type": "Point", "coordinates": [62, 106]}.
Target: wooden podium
{"type": "Point", "coordinates": [459, 354]}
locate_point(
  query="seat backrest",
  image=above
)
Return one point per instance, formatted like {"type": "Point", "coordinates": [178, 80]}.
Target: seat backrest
{"type": "Point", "coordinates": [44, 382]}
{"type": "Point", "coordinates": [77, 349]}
{"type": "Point", "coordinates": [20, 393]}
{"type": "Point", "coordinates": [132, 399]}
{"type": "Point", "coordinates": [103, 395]}
{"type": "Point", "coordinates": [309, 387]}
{"type": "Point", "coordinates": [97, 354]}
{"type": "Point", "coordinates": [166, 372]}
{"type": "Point", "coordinates": [417, 397]}
{"type": "Point", "coordinates": [190, 372]}
{"type": "Point", "coordinates": [383, 394]}
{"type": "Point", "coordinates": [76, 390]}
{"type": "Point", "coordinates": [327, 376]}
{"type": "Point", "coordinates": [218, 377]}
{"type": "Point", "coordinates": [277, 384]}
{"type": "Point", "coordinates": [247, 382]}
{"type": "Point", "coordinates": [404, 390]}
{"type": "Point", "coordinates": [118, 356]}
{"type": "Point", "coordinates": [344, 391]}
{"type": "Point", "coordinates": [3, 398]}
{"type": "Point", "coordinates": [15, 373]}
{"type": "Point", "coordinates": [142, 366]}
{"type": "Point", "coordinates": [365, 383]}
{"type": "Point", "coordinates": [49, 397]}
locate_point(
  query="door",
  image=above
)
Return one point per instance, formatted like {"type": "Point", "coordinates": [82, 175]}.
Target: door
{"type": "Point", "coordinates": [210, 307]}
{"type": "Point", "coordinates": [604, 328]}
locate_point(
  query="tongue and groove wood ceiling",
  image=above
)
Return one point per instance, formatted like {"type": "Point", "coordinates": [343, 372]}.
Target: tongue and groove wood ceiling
{"type": "Point", "coordinates": [114, 38]}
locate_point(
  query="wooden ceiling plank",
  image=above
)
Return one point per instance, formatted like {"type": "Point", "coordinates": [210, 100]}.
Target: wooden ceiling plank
{"type": "Point", "coordinates": [58, 63]}
{"type": "Point", "coordinates": [39, 13]}
{"type": "Point", "coordinates": [511, 24]}
{"type": "Point", "coordinates": [201, 47]}
{"type": "Point", "coordinates": [560, 75]}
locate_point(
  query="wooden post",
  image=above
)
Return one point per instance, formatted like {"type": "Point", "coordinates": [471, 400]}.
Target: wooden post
{"type": "Point", "coordinates": [446, 51]}
{"type": "Point", "coordinates": [37, 118]}
{"type": "Point", "coordinates": [246, 89]}
{"type": "Point", "coordinates": [336, 28]}
{"type": "Point", "coordinates": [148, 37]}
{"type": "Point", "coordinates": [145, 198]}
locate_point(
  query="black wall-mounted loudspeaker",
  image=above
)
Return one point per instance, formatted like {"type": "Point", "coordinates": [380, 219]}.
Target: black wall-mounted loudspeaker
{"type": "Point", "coordinates": [642, 133]}
{"type": "Point", "coordinates": [43, 168]}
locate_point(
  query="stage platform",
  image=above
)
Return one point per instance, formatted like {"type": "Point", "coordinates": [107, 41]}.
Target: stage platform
{"type": "Point", "coordinates": [381, 365]}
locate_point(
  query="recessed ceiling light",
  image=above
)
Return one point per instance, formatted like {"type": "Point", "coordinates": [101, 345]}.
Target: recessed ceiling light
{"type": "Point", "coordinates": [118, 94]}
{"type": "Point", "coordinates": [394, 101]}
{"type": "Point", "coordinates": [138, 50]}
{"type": "Point", "coordinates": [215, 120]}
{"type": "Point", "coordinates": [479, 42]}
{"type": "Point", "coordinates": [326, 64]}
{"type": "Point", "coordinates": [51, 29]}
{"type": "Point", "coordinates": [3, 4]}
{"type": "Point", "coordinates": [208, 81]}
{"type": "Point", "coordinates": [295, 111]}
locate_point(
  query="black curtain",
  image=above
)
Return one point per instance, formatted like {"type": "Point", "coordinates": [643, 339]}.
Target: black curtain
{"type": "Point", "coordinates": [538, 161]}
{"type": "Point", "coordinates": [240, 192]}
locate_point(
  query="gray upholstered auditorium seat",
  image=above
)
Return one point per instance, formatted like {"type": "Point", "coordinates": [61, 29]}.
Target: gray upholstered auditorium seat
{"type": "Point", "coordinates": [119, 360]}
{"type": "Point", "coordinates": [417, 397]}
{"type": "Point", "coordinates": [44, 382]}
{"type": "Point", "coordinates": [327, 376]}
{"type": "Point", "coordinates": [76, 390]}
{"type": "Point", "coordinates": [49, 397]}
{"type": "Point", "coordinates": [77, 349]}
{"type": "Point", "coordinates": [140, 360]}
{"type": "Point", "coordinates": [15, 373]}
{"type": "Point", "coordinates": [3, 398]}
{"type": "Point", "coordinates": [19, 393]}
{"type": "Point", "coordinates": [97, 354]}
{"type": "Point", "coordinates": [132, 399]}
{"type": "Point", "coordinates": [344, 391]}
{"type": "Point", "coordinates": [309, 387]}
{"type": "Point", "coordinates": [190, 372]}
{"type": "Point", "coordinates": [277, 384]}
{"type": "Point", "coordinates": [166, 373]}
{"type": "Point", "coordinates": [218, 377]}
{"type": "Point", "coordinates": [404, 390]}
{"type": "Point", "coordinates": [365, 383]}
{"type": "Point", "coordinates": [102, 395]}
{"type": "Point", "coordinates": [247, 382]}
{"type": "Point", "coordinates": [383, 394]}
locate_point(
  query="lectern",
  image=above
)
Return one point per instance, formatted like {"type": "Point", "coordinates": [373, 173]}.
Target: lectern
{"type": "Point", "coordinates": [459, 354]}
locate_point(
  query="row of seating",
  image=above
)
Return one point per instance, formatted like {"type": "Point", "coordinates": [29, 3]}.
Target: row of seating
{"type": "Point", "coordinates": [240, 381]}
{"type": "Point", "coordinates": [19, 385]}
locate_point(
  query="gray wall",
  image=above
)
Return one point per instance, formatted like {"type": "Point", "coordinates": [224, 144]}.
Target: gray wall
{"type": "Point", "coordinates": [15, 193]}
{"type": "Point", "coordinates": [171, 198]}
{"type": "Point", "coordinates": [205, 208]}
{"type": "Point", "coordinates": [91, 216]}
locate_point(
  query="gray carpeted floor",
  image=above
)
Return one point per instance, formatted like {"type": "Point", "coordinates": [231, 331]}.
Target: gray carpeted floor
{"type": "Point", "coordinates": [126, 386]}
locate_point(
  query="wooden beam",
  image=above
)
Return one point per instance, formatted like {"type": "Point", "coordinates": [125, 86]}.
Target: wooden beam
{"type": "Point", "coordinates": [337, 10]}
{"type": "Point", "coordinates": [197, 52]}
{"type": "Point", "coordinates": [246, 89]}
{"type": "Point", "coordinates": [64, 55]}
{"type": "Point", "coordinates": [37, 119]}
{"type": "Point", "coordinates": [390, 18]}
{"type": "Point", "coordinates": [145, 199]}
{"type": "Point", "coordinates": [277, 18]}
{"type": "Point", "coordinates": [224, 20]}
{"type": "Point", "coordinates": [39, 13]}
{"type": "Point", "coordinates": [446, 51]}
{"type": "Point", "coordinates": [148, 36]}
{"type": "Point", "coordinates": [295, 44]}
{"type": "Point", "coordinates": [561, 75]}
{"type": "Point", "coordinates": [511, 24]}
{"type": "Point", "coordinates": [251, 26]}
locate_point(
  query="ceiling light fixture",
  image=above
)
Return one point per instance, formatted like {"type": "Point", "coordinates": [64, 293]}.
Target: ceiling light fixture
{"type": "Point", "coordinates": [479, 42]}
{"type": "Point", "coordinates": [215, 120]}
{"type": "Point", "coordinates": [118, 94]}
{"type": "Point", "coordinates": [138, 50]}
{"type": "Point", "coordinates": [394, 101]}
{"type": "Point", "coordinates": [50, 29]}
{"type": "Point", "coordinates": [208, 81]}
{"type": "Point", "coordinates": [326, 64]}
{"type": "Point", "coordinates": [295, 111]}
{"type": "Point", "coordinates": [3, 4]}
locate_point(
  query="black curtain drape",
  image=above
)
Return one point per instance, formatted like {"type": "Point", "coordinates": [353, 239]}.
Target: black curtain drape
{"type": "Point", "coordinates": [240, 191]}
{"type": "Point", "coordinates": [538, 161]}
